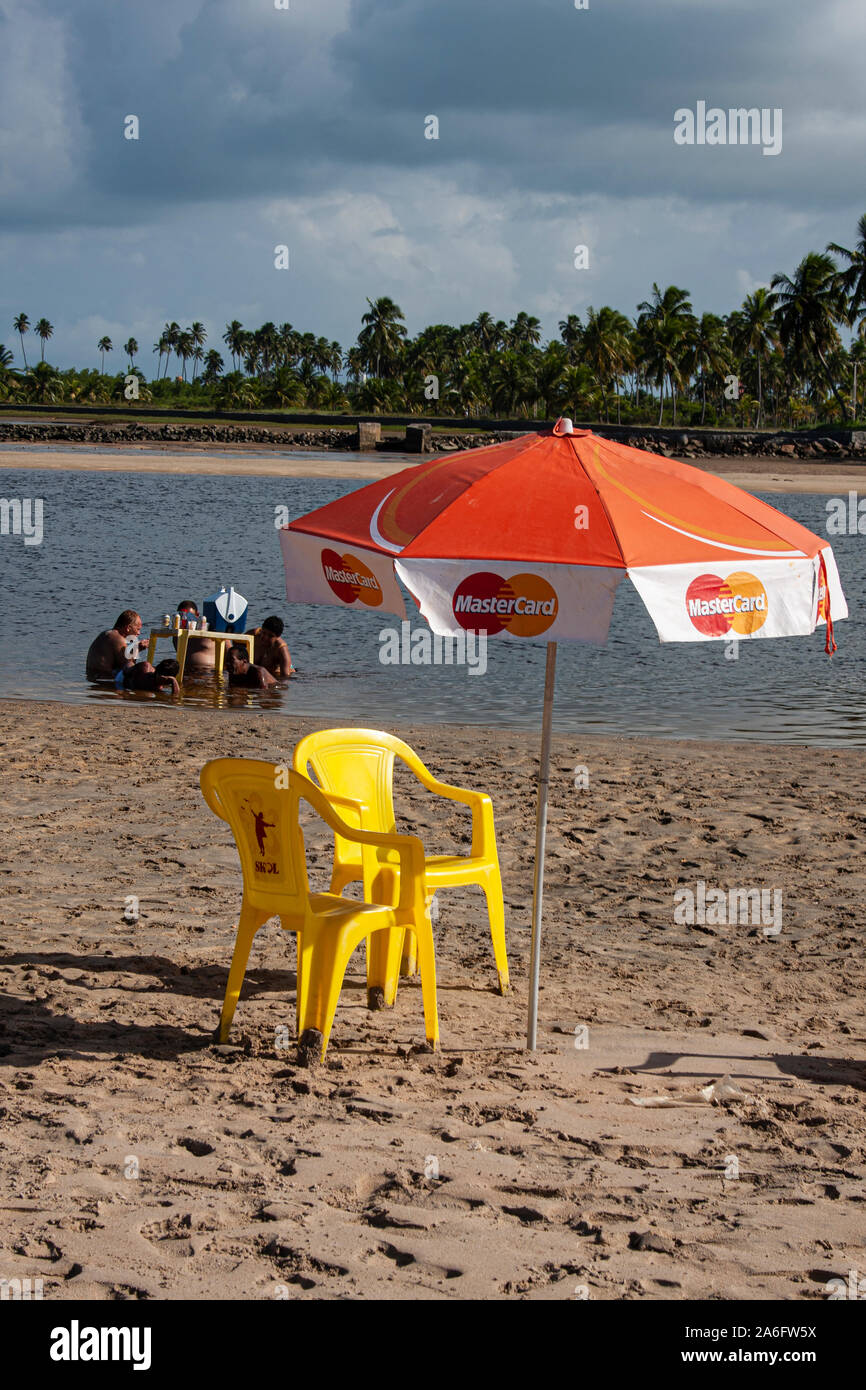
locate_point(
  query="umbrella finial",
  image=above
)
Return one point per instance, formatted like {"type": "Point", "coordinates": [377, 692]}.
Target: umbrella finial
{"type": "Point", "coordinates": [563, 426]}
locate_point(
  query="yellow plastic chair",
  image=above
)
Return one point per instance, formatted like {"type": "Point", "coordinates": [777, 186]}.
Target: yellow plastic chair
{"type": "Point", "coordinates": [260, 801]}
{"type": "Point", "coordinates": [355, 767]}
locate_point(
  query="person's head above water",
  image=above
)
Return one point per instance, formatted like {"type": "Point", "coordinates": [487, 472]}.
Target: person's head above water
{"type": "Point", "coordinates": [273, 625]}
{"type": "Point", "coordinates": [187, 605]}
{"type": "Point", "coordinates": [237, 660]}
{"type": "Point", "coordinates": [129, 623]}
{"type": "Point", "coordinates": [168, 667]}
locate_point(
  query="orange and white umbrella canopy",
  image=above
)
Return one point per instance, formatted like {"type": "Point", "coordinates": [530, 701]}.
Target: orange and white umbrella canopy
{"type": "Point", "coordinates": [531, 539]}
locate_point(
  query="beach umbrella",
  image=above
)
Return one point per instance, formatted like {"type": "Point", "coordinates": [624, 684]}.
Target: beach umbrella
{"type": "Point", "coordinates": [529, 540]}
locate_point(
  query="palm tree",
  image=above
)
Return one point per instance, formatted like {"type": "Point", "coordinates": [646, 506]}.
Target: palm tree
{"type": "Point", "coordinates": [484, 329]}
{"type": "Point", "coordinates": [213, 366]}
{"type": "Point", "coordinates": [43, 384]}
{"type": "Point", "coordinates": [288, 345]}
{"type": "Point", "coordinates": [104, 345]}
{"type": "Point", "coordinates": [512, 382]}
{"type": "Point", "coordinates": [853, 279]}
{"type": "Point", "coordinates": [235, 392]}
{"type": "Point", "coordinates": [664, 323]}
{"type": "Point", "coordinates": [707, 352]}
{"type": "Point", "coordinates": [233, 339]}
{"type": "Point", "coordinates": [21, 324]}
{"type": "Point", "coordinates": [571, 333]}
{"type": "Point", "coordinates": [808, 307]}
{"type": "Point", "coordinates": [606, 346]}
{"type": "Point", "coordinates": [184, 349]}
{"type": "Point", "coordinates": [130, 347]}
{"type": "Point", "coordinates": [284, 389]}
{"type": "Point", "coordinates": [525, 329]}
{"type": "Point", "coordinates": [383, 333]}
{"type": "Point", "coordinates": [44, 330]}
{"type": "Point", "coordinates": [170, 333]}
{"type": "Point", "coordinates": [267, 342]}
{"type": "Point", "coordinates": [754, 331]}
{"type": "Point", "coordinates": [161, 346]}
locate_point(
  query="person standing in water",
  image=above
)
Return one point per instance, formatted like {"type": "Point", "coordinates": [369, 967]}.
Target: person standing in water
{"type": "Point", "coordinates": [270, 649]}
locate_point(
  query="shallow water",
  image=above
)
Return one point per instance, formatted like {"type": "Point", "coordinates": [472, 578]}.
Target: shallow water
{"type": "Point", "coordinates": [117, 540]}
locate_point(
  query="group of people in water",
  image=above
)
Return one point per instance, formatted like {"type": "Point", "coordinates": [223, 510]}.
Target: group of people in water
{"type": "Point", "coordinates": [116, 656]}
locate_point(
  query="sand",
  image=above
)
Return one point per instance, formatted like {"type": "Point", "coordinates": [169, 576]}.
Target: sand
{"type": "Point", "coordinates": [755, 475]}
{"type": "Point", "coordinates": [257, 1178]}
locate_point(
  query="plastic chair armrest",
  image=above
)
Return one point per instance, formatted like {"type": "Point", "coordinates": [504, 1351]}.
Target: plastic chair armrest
{"type": "Point", "coordinates": [211, 795]}
{"type": "Point", "coordinates": [483, 832]}
{"type": "Point", "coordinates": [411, 853]}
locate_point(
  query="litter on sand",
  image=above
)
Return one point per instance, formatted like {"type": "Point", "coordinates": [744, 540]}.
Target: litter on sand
{"type": "Point", "coordinates": [715, 1094]}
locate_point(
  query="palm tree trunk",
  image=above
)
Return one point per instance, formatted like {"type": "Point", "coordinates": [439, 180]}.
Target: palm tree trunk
{"type": "Point", "coordinates": [831, 383]}
{"type": "Point", "coordinates": [661, 400]}
{"type": "Point", "coordinates": [760, 395]}
{"type": "Point", "coordinates": [703, 395]}
{"type": "Point", "coordinates": [23, 353]}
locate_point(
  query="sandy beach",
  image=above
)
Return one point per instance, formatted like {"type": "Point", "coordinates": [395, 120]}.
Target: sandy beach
{"type": "Point", "coordinates": [141, 1162]}
{"type": "Point", "coordinates": [755, 475]}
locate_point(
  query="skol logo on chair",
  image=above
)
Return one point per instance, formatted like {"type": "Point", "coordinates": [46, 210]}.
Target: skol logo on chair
{"type": "Point", "coordinates": [260, 827]}
{"type": "Point", "coordinates": [717, 606]}
{"type": "Point", "coordinates": [350, 579]}
{"type": "Point", "coordinates": [525, 604]}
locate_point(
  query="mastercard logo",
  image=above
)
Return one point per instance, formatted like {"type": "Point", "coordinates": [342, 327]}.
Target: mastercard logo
{"type": "Point", "coordinates": [350, 579]}
{"type": "Point", "coordinates": [524, 605]}
{"type": "Point", "coordinates": [736, 604]}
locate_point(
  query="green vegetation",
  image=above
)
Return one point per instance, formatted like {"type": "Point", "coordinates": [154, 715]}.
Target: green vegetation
{"type": "Point", "coordinates": [778, 360]}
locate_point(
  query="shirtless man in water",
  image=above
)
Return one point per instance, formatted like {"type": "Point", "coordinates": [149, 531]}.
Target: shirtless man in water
{"type": "Point", "coordinates": [107, 653]}
{"type": "Point", "coordinates": [241, 672]}
{"type": "Point", "coordinates": [200, 653]}
{"type": "Point", "coordinates": [270, 649]}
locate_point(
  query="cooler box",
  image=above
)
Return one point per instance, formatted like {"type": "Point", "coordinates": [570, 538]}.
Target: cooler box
{"type": "Point", "coordinates": [226, 611]}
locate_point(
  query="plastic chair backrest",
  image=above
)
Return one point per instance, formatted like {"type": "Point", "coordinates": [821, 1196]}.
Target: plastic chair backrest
{"type": "Point", "coordinates": [263, 813]}
{"type": "Point", "coordinates": [356, 763]}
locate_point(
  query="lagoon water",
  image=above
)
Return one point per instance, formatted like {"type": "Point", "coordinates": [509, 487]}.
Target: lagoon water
{"type": "Point", "coordinates": [146, 541]}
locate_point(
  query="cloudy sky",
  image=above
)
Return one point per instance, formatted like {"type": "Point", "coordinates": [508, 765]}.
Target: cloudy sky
{"type": "Point", "coordinates": [305, 126]}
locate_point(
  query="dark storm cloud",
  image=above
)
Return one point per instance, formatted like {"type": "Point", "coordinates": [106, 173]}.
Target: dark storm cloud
{"type": "Point", "coordinates": [239, 100]}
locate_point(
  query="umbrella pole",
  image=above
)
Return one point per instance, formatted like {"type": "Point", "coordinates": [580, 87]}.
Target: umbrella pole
{"type": "Point", "coordinates": [540, 839]}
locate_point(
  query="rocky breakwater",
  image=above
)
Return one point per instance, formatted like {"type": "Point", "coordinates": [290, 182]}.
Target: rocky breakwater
{"type": "Point", "coordinates": [850, 444]}
{"type": "Point", "coordinates": [116, 433]}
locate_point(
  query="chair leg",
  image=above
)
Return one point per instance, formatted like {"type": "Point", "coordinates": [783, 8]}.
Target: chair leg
{"type": "Point", "coordinates": [325, 955]}
{"type": "Point", "coordinates": [427, 967]}
{"type": "Point", "coordinates": [384, 948]}
{"type": "Point", "coordinates": [492, 885]}
{"type": "Point", "coordinates": [250, 921]}
{"type": "Point", "coordinates": [409, 962]}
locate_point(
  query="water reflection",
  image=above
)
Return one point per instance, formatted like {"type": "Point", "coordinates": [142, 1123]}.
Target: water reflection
{"type": "Point", "coordinates": [199, 691]}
